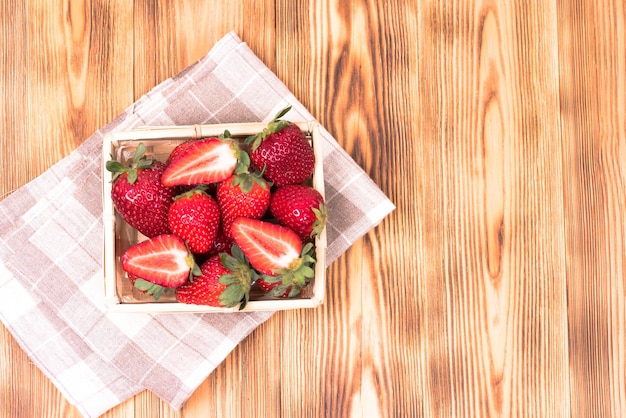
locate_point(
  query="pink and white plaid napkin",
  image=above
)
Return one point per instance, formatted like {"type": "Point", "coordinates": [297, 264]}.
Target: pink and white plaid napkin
{"type": "Point", "coordinates": [51, 234]}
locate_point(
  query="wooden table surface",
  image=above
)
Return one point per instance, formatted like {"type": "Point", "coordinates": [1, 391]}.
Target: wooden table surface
{"type": "Point", "coordinates": [497, 128]}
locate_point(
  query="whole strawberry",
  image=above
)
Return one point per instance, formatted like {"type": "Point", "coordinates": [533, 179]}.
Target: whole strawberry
{"type": "Point", "coordinates": [300, 208]}
{"type": "Point", "coordinates": [221, 244]}
{"type": "Point", "coordinates": [242, 195]}
{"type": "Point", "coordinates": [195, 217]}
{"type": "Point", "coordinates": [224, 281]}
{"type": "Point", "coordinates": [282, 152]}
{"type": "Point", "coordinates": [138, 194]}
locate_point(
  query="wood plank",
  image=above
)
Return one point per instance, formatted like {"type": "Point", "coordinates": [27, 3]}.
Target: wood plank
{"type": "Point", "coordinates": [188, 29]}
{"type": "Point", "coordinates": [306, 357]}
{"type": "Point", "coordinates": [592, 60]}
{"type": "Point", "coordinates": [347, 55]}
{"type": "Point", "coordinates": [57, 74]}
{"type": "Point", "coordinates": [496, 327]}
{"type": "Point", "coordinates": [13, 87]}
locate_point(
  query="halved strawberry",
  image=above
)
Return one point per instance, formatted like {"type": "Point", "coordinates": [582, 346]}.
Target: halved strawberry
{"type": "Point", "coordinates": [163, 260]}
{"type": "Point", "coordinates": [277, 252]}
{"type": "Point", "coordinates": [179, 150]}
{"type": "Point", "coordinates": [205, 161]}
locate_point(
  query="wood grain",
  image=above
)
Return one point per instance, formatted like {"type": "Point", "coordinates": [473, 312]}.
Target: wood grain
{"type": "Point", "coordinates": [498, 299]}
{"type": "Point", "coordinates": [594, 155]}
{"type": "Point", "coordinates": [497, 286]}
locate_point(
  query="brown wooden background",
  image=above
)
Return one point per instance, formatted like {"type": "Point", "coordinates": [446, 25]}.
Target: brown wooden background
{"type": "Point", "coordinates": [497, 128]}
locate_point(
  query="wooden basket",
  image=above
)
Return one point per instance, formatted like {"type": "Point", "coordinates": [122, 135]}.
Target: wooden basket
{"type": "Point", "coordinates": [118, 235]}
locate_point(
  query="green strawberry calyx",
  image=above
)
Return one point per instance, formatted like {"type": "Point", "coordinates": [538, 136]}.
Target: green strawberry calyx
{"type": "Point", "coordinates": [243, 159]}
{"type": "Point", "coordinates": [194, 268]}
{"type": "Point", "coordinates": [273, 126]}
{"type": "Point", "coordinates": [296, 277]}
{"type": "Point", "coordinates": [139, 162]}
{"type": "Point", "coordinates": [321, 216]}
{"type": "Point", "coordinates": [152, 289]}
{"type": "Point", "coordinates": [238, 281]}
{"type": "Point", "coordinates": [245, 179]}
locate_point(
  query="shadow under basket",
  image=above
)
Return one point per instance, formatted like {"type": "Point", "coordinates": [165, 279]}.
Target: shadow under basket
{"type": "Point", "coordinates": [120, 295]}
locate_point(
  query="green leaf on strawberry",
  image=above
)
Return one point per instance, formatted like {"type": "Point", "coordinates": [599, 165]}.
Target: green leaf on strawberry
{"type": "Point", "coordinates": [225, 281]}
{"type": "Point", "coordinates": [139, 161]}
{"type": "Point", "coordinates": [149, 288]}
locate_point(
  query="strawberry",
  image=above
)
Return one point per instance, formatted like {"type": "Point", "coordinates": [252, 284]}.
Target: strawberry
{"type": "Point", "coordinates": [195, 217]}
{"type": "Point", "coordinates": [204, 161]}
{"type": "Point", "coordinates": [244, 194]}
{"type": "Point", "coordinates": [300, 208]}
{"type": "Point", "coordinates": [282, 151]}
{"type": "Point", "coordinates": [222, 244]}
{"type": "Point", "coordinates": [178, 150]}
{"type": "Point", "coordinates": [276, 252]}
{"type": "Point", "coordinates": [224, 281]}
{"type": "Point", "coordinates": [163, 260]}
{"type": "Point", "coordinates": [138, 194]}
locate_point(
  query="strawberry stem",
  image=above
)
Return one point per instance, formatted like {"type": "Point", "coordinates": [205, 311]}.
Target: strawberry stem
{"type": "Point", "coordinates": [275, 125]}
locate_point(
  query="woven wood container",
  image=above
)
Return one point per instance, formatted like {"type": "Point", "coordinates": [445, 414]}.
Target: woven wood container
{"type": "Point", "coordinates": [118, 235]}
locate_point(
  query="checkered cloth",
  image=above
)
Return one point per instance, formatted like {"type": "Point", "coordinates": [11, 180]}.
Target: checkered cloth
{"type": "Point", "coordinates": [51, 234]}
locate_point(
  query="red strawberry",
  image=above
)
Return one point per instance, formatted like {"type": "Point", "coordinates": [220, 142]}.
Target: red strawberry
{"type": "Point", "coordinates": [246, 195]}
{"type": "Point", "coordinates": [204, 161]}
{"type": "Point", "coordinates": [300, 208]}
{"type": "Point", "coordinates": [222, 244]}
{"type": "Point", "coordinates": [283, 152]}
{"type": "Point", "coordinates": [224, 281]}
{"type": "Point", "coordinates": [163, 260]}
{"type": "Point", "coordinates": [195, 217]}
{"type": "Point", "coordinates": [138, 194]}
{"type": "Point", "coordinates": [275, 251]}
{"type": "Point", "coordinates": [178, 150]}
